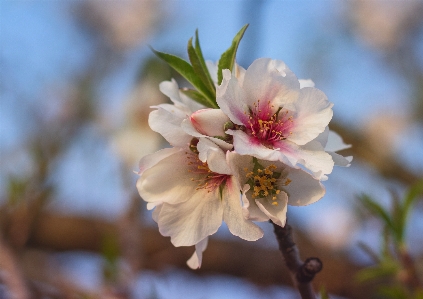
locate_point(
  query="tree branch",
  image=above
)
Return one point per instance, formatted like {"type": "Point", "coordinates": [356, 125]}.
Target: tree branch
{"type": "Point", "coordinates": [301, 273]}
{"type": "Point", "coordinates": [66, 232]}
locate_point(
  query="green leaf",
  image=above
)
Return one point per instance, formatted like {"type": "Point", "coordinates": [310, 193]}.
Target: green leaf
{"type": "Point", "coordinates": [414, 193]}
{"type": "Point", "coordinates": [227, 60]}
{"type": "Point", "coordinates": [187, 71]}
{"type": "Point", "coordinates": [376, 210]}
{"type": "Point", "coordinates": [198, 97]}
{"type": "Point", "coordinates": [199, 64]}
{"type": "Point", "coordinates": [401, 212]}
{"type": "Point", "coordinates": [387, 268]}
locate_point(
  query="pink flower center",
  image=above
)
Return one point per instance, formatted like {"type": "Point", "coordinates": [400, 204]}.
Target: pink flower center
{"type": "Point", "coordinates": [268, 126]}
{"type": "Point", "coordinates": [203, 176]}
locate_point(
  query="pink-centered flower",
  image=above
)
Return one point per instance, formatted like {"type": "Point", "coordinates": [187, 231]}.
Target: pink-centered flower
{"type": "Point", "coordinates": [192, 197]}
{"type": "Point", "coordinates": [274, 119]}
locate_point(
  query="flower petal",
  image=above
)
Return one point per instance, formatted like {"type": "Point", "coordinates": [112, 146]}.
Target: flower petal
{"type": "Point", "coordinates": [250, 209]}
{"type": "Point", "coordinates": [275, 212]}
{"type": "Point", "coordinates": [190, 222]}
{"type": "Point", "coordinates": [230, 98]}
{"type": "Point", "coordinates": [303, 188]}
{"type": "Point", "coordinates": [209, 122]}
{"type": "Point", "coordinates": [149, 161]}
{"type": "Point", "coordinates": [313, 113]}
{"type": "Point", "coordinates": [335, 143]}
{"type": "Point", "coordinates": [233, 215]}
{"type": "Point", "coordinates": [195, 261]}
{"type": "Point", "coordinates": [270, 80]}
{"type": "Point", "coordinates": [341, 160]}
{"type": "Point", "coordinates": [306, 83]}
{"type": "Point", "coordinates": [181, 101]}
{"type": "Point", "coordinates": [168, 124]}
{"type": "Point", "coordinates": [169, 180]}
{"type": "Point", "coordinates": [214, 156]}
{"type": "Point", "coordinates": [311, 155]}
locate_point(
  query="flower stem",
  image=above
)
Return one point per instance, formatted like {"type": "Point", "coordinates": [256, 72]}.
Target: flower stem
{"type": "Point", "coordinates": [302, 273]}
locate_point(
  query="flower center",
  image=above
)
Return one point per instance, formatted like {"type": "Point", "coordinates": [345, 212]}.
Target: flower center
{"type": "Point", "coordinates": [264, 181]}
{"type": "Point", "coordinates": [268, 126]}
{"type": "Point", "coordinates": [202, 175]}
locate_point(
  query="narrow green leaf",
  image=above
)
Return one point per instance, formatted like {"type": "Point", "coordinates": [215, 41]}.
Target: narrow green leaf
{"type": "Point", "coordinates": [203, 62]}
{"type": "Point", "coordinates": [386, 269]}
{"type": "Point", "coordinates": [187, 71]}
{"type": "Point", "coordinates": [227, 60]}
{"type": "Point", "coordinates": [377, 210]}
{"type": "Point", "coordinates": [198, 68]}
{"type": "Point", "coordinates": [198, 97]}
{"type": "Point", "coordinates": [414, 193]}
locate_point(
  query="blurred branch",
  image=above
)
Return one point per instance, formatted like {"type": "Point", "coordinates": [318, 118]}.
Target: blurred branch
{"type": "Point", "coordinates": [238, 258]}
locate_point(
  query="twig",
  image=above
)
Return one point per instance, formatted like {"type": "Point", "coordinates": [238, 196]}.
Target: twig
{"type": "Point", "coordinates": [301, 273]}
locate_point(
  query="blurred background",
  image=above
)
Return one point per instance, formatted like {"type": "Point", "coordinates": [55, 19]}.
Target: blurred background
{"type": "Point", "coordinates": [77, 80]}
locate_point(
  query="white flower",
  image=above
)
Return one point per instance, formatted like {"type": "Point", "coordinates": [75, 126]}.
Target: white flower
{"type": "Point", "coordinates": [173, 121]}
{"type": "Point", "coordinates": [274, 119]}
{"type": "Point", "coordinates": [192, 197]}
{"type": "Point", "coordinates": [269, 186]}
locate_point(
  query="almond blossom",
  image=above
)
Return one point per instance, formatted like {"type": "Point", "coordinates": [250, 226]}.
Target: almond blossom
{"type": "Point", "coordinates": [192, 197]}
{"type": "Point", "coordinates": [274, 119]}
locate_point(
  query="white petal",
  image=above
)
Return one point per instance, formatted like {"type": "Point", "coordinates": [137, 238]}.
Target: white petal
{"type": "Point", "coordinates": [239, 164]}
{"type": "Point", "coordinates": [190, 222]}
{"type": "Point", "coordinates": [149, 161]}
{"type": "Point", "coordinates": [214, 156]}
{"type": "Point", "coordinates": [312, 156]}
{"type": "Point", "coordinates": [209, 122]}
{"type": "Point", "coordinates": [195, 261]}
{"type": "Point", "coordinates": [239, 73]}
{"type": "Point", "coordinates": [233, 215]}
{"type": "Point", "coordinates": [313, 114]}
{"type": "Point", "coordinates": [322, 138]}
{"type": "Point", "coordinates": [250, 209]}
{"type": "Point", "coordinates": [341, 160]}
{"type": "Point", "coordinates": [169, 126]}
{"type": "Point", "coordinates": [335, 143]}
{"type": "Point", "coordinates": [156, 212]}
{"type": "Point", "coordinates": [303, 188]}
{"type": "Point", "coordinates": [306, 83]}
{"type": "Point", "coordinates": [171, 89]}
{"type": "Point", "coordinates": [270, 80]}
{"type": "Point", "coordinates": [230, 98]}
{"type": "Point", "coordinates": [167, 181]}
{"type": "Point", "coordinates": [276, 213]}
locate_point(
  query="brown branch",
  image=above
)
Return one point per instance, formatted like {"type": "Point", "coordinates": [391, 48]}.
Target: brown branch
{"type": "Point", "coordinates": [64, 232]}
{"type": "Point", "coordinates": [301, 273]}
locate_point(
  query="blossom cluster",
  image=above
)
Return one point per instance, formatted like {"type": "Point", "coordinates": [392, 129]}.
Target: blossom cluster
{"type": "Point", "coordinates": [264, 146]}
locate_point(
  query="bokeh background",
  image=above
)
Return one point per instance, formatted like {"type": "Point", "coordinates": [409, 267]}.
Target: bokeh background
{"type": "Point", "coordinates": [77, 80]}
